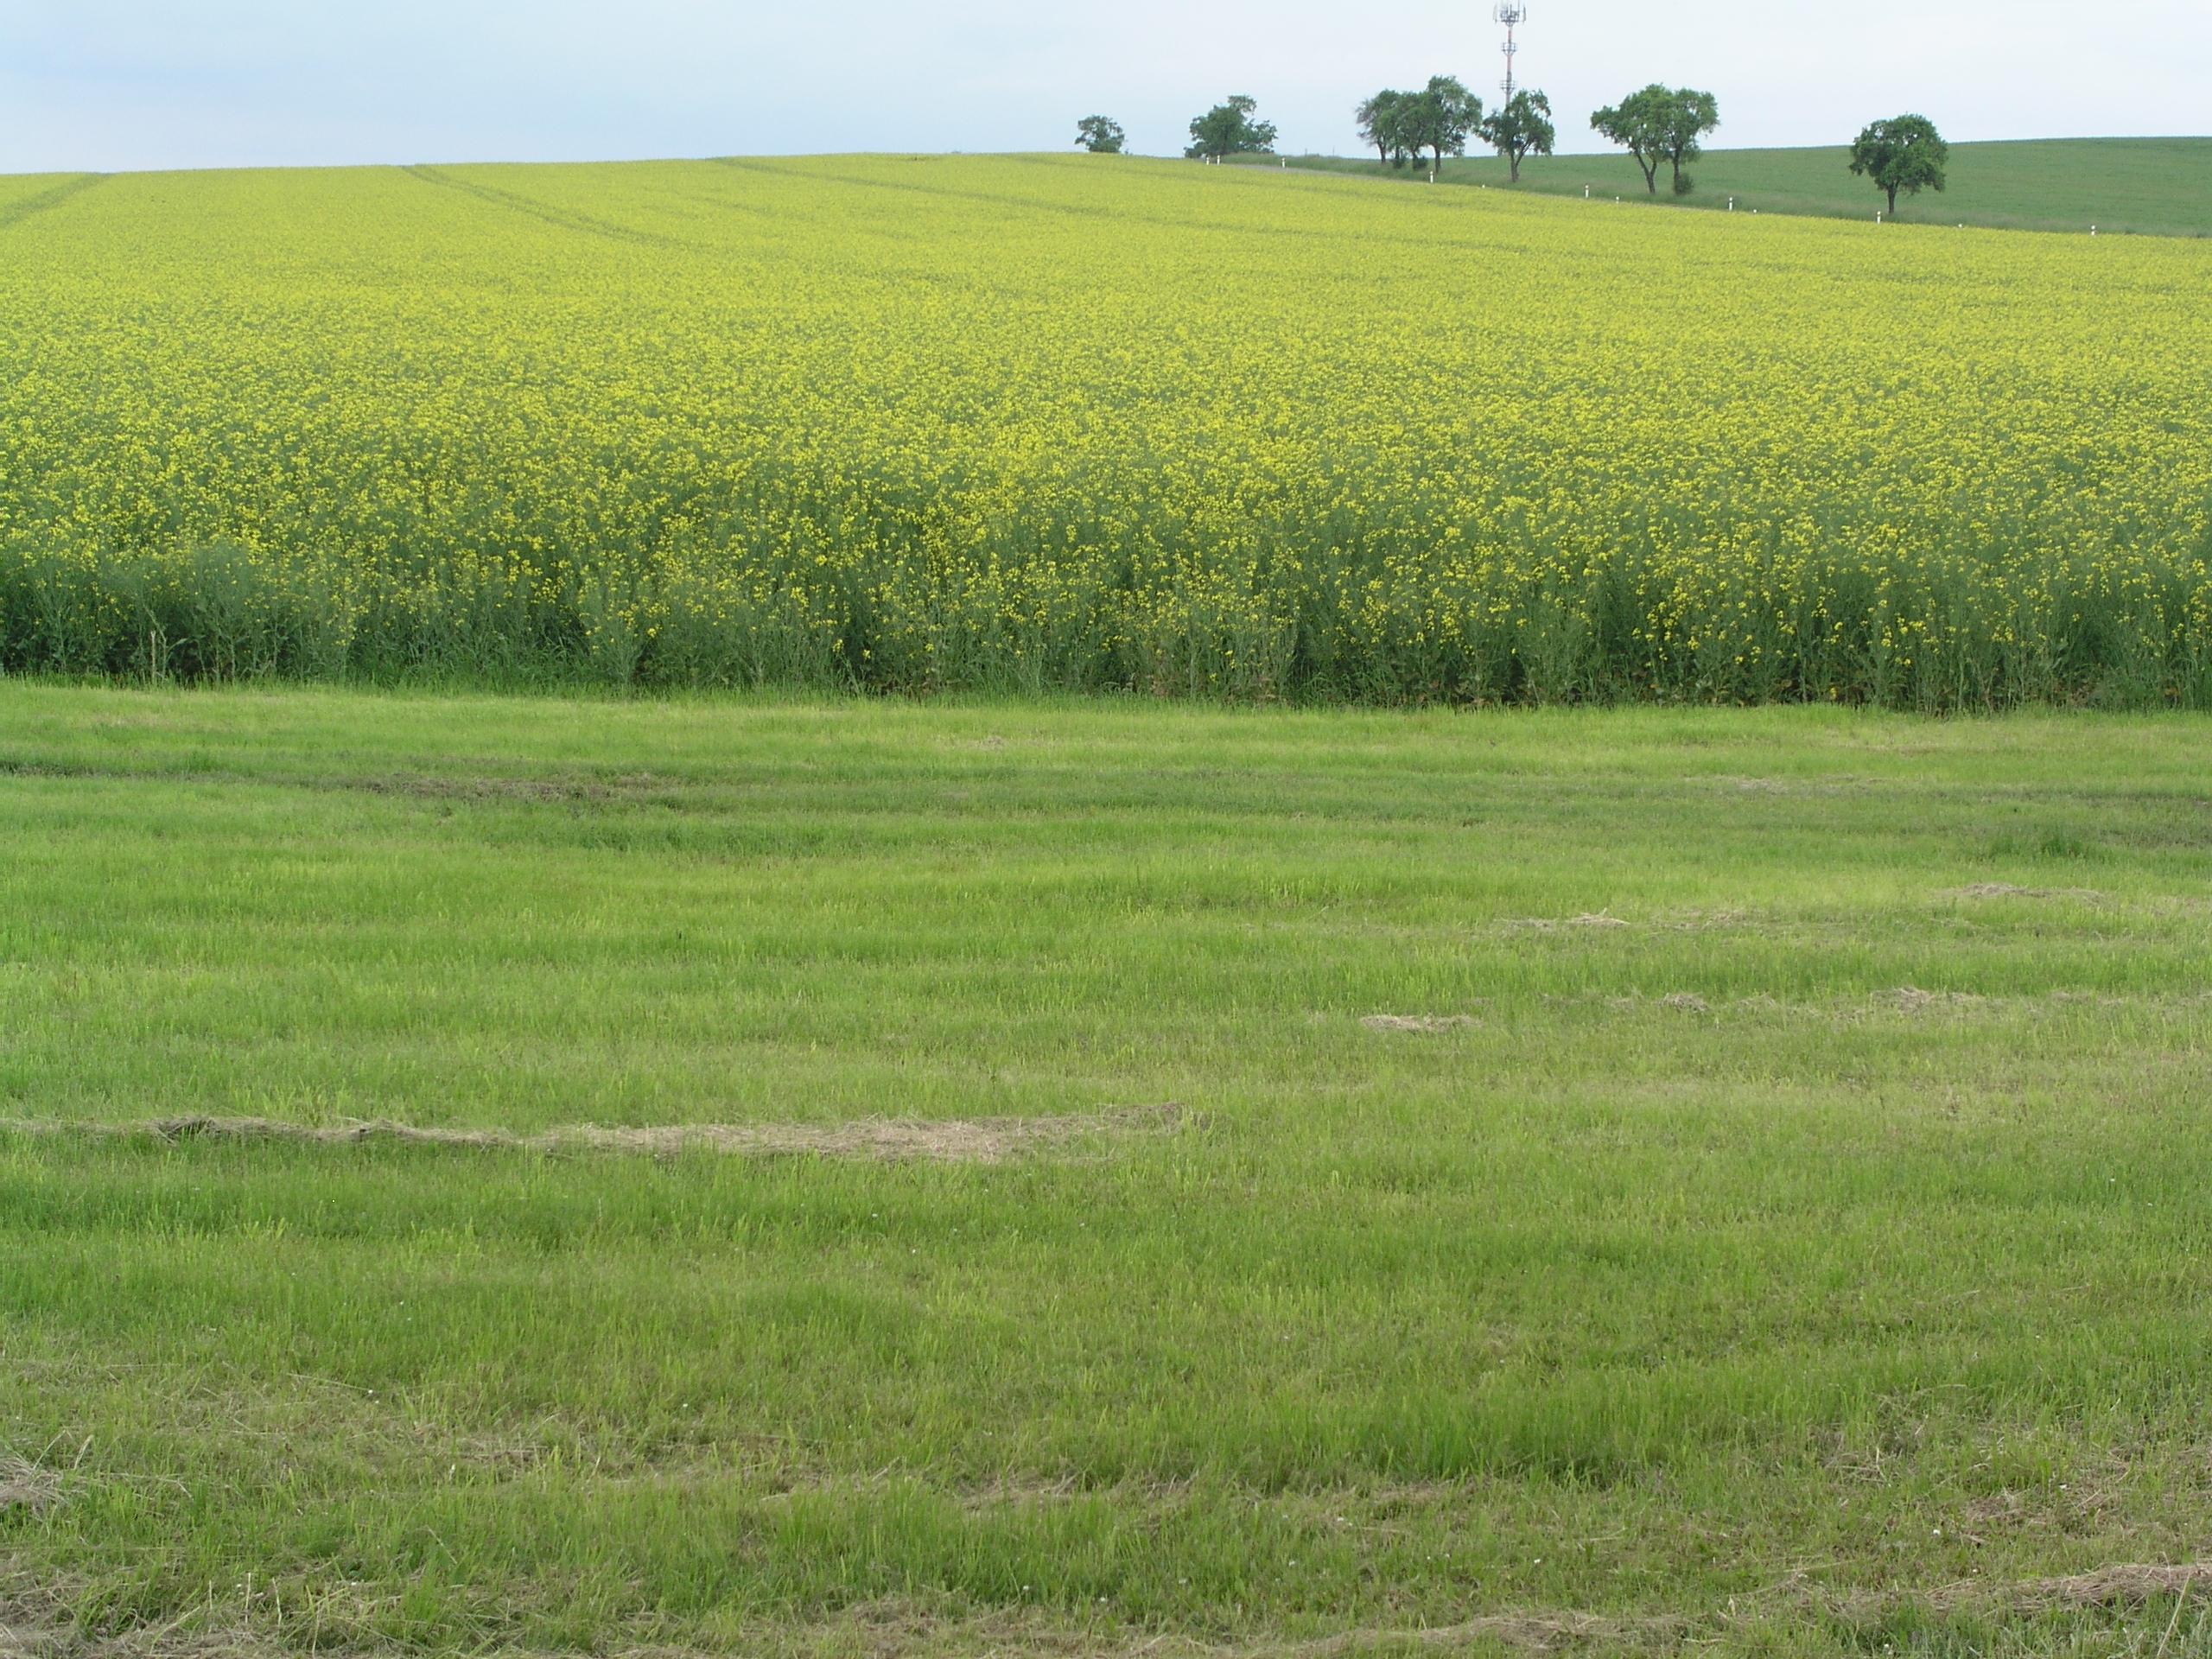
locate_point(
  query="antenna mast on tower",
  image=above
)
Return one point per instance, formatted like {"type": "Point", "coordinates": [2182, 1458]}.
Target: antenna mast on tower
{"type": "Point", "coordinates": [1512, 14]}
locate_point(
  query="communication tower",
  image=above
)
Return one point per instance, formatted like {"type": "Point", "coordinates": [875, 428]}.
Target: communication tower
{"type": "Point", "coordinates": [1512, 14]}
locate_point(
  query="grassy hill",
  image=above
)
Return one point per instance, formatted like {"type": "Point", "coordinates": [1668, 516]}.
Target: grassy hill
{"type": "Point", "coordinates": [2144, 186]}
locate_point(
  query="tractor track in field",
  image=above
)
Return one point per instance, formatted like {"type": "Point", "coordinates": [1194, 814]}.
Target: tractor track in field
{"type": "Point", "coordinates": [47, 201]}
{"type": "Point", "coordinates": [562, 217]}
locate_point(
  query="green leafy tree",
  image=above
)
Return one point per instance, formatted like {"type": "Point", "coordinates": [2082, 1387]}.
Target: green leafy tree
{"type": "Point", "coordinates": [1229, 130]}
{"type": "Point", "coordinates": [1688, 116]}
{"type": "Point", "coordinates": [1440, 118]}
{"type": "Point", "coordinates": [1521, 128]}
{"type": "Point", "coordinates": [1661, 124]}
{"type": "Point", "coordinates": [1637, 124]}
{"type": "Point", "coordinates": [1382, 123]}
{"type": "Point", "coordinates": [1906, 154]}
{"type": "Point", "coordinates": [1100, 135]}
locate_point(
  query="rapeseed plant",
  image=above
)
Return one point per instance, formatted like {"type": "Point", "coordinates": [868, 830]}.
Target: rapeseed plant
{"type": "Point", "coordinates": [1029, 425]}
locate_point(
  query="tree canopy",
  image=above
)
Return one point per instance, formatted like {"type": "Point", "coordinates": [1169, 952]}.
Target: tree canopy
{"type": "Point", "coordinates": [1100, 135]}
{"type": "Point", "coordinates": [1440, 118]}
{"type": "Point", "coordinates": [1229, 130]}
{"type": "Point", "coordinates": [1904, 154]}
{"type": "Point", "coordinates": [1689, 116]}
{"type": "Point", "coordinates": [1633, 123]}
{"type": "Point", "coordinates": [1520, 128]}
{"type": "Point", "coordinates": [1382, 124]}
{"type": "Point", "coordinates": [1660, 124]}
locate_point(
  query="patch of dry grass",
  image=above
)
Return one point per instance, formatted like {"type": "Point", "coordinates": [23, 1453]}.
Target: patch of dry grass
{"type": "Point", "coordinates": [984, 1141]}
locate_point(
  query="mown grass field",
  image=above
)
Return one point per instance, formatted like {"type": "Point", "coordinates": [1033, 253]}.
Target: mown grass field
{"type": "Point", "coordinates": [1051, 424]}
{"type": "Point", "coordinates": [1776, 1223]}
{"type": "Point", "coordinates": [2139, 187]}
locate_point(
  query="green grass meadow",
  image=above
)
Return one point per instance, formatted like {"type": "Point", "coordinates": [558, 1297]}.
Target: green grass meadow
{"type": "Point", "coordinates": [2144, 186]}
{"type": "Point", "coordinates": [1783, 1230]}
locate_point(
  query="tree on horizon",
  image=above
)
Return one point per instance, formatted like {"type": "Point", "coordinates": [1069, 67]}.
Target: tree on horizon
{"type": "Point", "coordinates": [1688, 116]}
{"type": "Point", "coordinates": [1101, 135]}
{"type": "Point", "coordinates": [1229, 130]}
{"type": "Point", "coordinates": [1660, 124]}
{"type": "Point", "coordinates": [1520, 128]}
{"type": "Point", "coordinates": [1440, 118]}
{"type": "Point", "coordinates": [1903, 154]}
{"type": "Point", "coordinates": [1382, 124]}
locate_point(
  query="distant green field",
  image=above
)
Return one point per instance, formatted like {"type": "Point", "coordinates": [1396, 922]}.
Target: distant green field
{"type": "Point", "coordinates": [2146, 187]}
{"type": "Point", "coordinates": [1700, 1181]}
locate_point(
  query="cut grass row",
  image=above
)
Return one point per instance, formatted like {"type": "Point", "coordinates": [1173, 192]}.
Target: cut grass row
{"type": "Point", "coordinates": [1841, 1299]}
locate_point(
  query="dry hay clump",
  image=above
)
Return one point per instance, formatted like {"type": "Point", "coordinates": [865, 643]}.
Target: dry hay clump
{"type": "Point", "coordinates": [2007, 890]}
{"type": "Point", "coordinates": [1426, 1025]}
{"type": "Point", "coordinates": [2115, 1586]}
{"type": "Point", "coordinates": [1910, 999]}
{"type": "Point", "coordinates": [951, 1140]}
{"type": "Point", "coordinates": [26, 1488]}
{"type": "Point", "coordinates": [2122, 1586]}
{"type": "Point", "coordinates": [971, 1140]}
{"type": "Point", "coordinates": [1680, 1001]}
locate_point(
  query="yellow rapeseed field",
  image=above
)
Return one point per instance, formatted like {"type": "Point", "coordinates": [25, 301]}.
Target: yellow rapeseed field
{"type": "Point", "coordinates": [1039, 422]}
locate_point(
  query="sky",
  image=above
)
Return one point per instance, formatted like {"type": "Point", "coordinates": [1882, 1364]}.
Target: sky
{"type": "Point", "coordinates": [116, 85]}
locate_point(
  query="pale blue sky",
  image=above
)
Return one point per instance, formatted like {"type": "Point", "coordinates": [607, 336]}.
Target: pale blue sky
{"type": "Point", "coordinates": [120, 84]}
